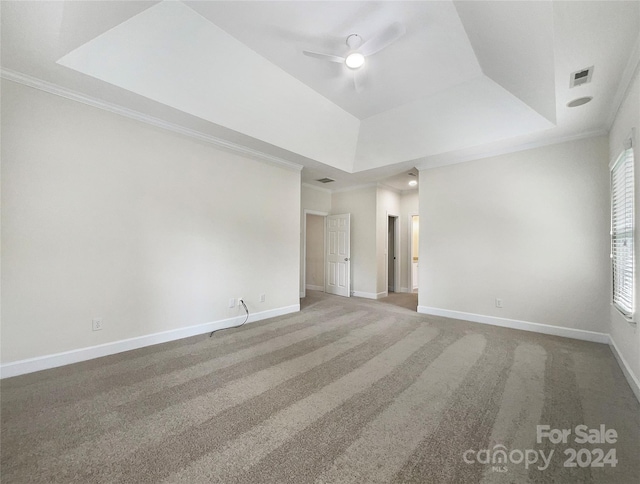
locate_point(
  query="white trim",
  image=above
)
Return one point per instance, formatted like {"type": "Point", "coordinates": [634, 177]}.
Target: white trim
{"type": "Point", "coordinates": [632, 379]}
{"type": "Point", "coordinates": [315, 212]}
{"type": "Point", "coordinates": [625, 82]}
{"type": "Point", "coordinates": [302, 294]}
{"type": "Point", "coordinates": [45, 86]}
{"type": "Point", "coordinates": [30, 365]}
{"type": "Point", "coordinates": [517, 324]}
{"type": "Point", "coordinates": [369, 295]}
{"type": "Point", "coordinates": [366, 295]}
{"type": "Point", "coordinates": [453, 158]}
{"type": "Point", "coordinates": [311, 287]}
{"type": "Point", "coordinates": [403, 289]}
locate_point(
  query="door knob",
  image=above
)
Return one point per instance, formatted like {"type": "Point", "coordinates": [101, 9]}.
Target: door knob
{"type": "Point", "coordinates": [346, 259]}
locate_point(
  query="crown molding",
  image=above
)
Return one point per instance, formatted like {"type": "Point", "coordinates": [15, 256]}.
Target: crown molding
{"type": "Point", "coordinates": [64, 92]}
{"type": "Point", "coordinates": [629, 73]}
{"type": "Point", "coordinates": [453, 160]}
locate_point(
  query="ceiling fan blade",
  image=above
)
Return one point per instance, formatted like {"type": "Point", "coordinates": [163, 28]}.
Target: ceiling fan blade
{"type": "Point", "coordinates": [328, 57]}
{"type": "Point", "coordinates": [385, 39]}
{"type": "Point", "coordinates": [357, 81]}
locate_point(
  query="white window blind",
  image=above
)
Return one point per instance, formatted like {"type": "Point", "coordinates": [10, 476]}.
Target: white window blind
{"type": "Point", "coordinates": [622, 224]}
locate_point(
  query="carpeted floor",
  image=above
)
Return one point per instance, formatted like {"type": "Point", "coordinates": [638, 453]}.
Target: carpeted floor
{"type": "Point", "coordinates": [347, 390]}
{"type": "Point", "coordinates": [402, 299]}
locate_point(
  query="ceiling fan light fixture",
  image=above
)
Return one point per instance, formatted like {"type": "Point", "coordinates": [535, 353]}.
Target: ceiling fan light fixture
{"type": "Point", "coordinates": [355, 60]}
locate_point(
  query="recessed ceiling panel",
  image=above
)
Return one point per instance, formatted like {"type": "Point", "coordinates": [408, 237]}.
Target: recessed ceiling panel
{"type": "Point", "coordinates": [173, 55]}
{"type": "Point", "coordinates": [433, 55]}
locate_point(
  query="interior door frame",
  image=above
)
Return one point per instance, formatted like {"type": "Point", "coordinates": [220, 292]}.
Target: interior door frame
{"type": "Point", "coordinates": [303, 276]}
{"type": "Point", "coordinates": [410, 254]}
{"type": "Point", "coordinates": [396, 253]}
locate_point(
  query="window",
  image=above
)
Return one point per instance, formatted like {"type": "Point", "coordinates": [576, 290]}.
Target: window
{"type": "Point", "coordinates": [622, 225]}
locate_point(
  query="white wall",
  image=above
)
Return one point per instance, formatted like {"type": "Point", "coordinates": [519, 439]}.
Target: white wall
{"type": "Point", "coordinates": [313, 198]}
{"type": "Point", "coordinates": [103, 216]}
{"type": "Point", "coordinates": [388, 203]}
{"type": "Point", "coordinates": [361, 204]}
{"type": "Point", "coordinates": [626, 336]}
{"type": "Point", "coordinates": [408, 205]}
{"type": "Point", "coordinates": [531, 228]}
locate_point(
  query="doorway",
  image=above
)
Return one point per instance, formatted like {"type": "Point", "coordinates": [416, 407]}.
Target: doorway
{"type": "Point", "coordinates": [313, 260]}
{"type": "Point", "coordinates": [393, 226]}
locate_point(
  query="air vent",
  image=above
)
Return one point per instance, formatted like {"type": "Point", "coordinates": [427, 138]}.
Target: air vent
{"type": "Point", "coordinates": [411, 174]}
{"type": "Point", "coordinates": [583, 76]}
{"type": "Point", "coordinates": [325, 180]}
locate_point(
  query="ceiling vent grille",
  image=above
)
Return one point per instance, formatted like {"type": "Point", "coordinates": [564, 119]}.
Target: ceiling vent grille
{"type": "Point", "coordinates": [583, 76]}
{"type": "Point", "coordinates": [325, 180]}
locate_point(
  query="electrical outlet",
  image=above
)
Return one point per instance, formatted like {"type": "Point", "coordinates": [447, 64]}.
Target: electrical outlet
{"type": "Point", "coordinates": [96, 324]}
{"type": "Point", "coordinates": [232, 303]}
{"type": "Point", "coordinates": [263, 297]}
{"type": "Point", "coordinates": [498, 303]}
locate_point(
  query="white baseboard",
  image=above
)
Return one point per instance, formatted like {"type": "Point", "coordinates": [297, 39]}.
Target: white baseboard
{"type": "Point", "coordinates": [30, 365]}
{"type": "Point", "coordinates": [633, 380]}
{"type": "Point", "coordinates": [366, 295]}
{"type": "Point", "coordinates": [403, 289]}
{"type": "Point", "coordinates": [369, 295]}
{"type": "Point", "coordinates": [516, 324]}
{"type": "Point", "coordinates": [311, 287]}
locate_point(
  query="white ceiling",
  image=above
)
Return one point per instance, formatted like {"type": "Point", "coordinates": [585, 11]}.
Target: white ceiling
{"type": "Point", "coordinates": [468, 79]}
{"type": "Point", "coordinates": [435, 44]}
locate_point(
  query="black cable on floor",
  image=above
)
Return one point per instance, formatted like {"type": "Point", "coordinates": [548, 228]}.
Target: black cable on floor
{"type": "Point", "coordinates": [232, 327]}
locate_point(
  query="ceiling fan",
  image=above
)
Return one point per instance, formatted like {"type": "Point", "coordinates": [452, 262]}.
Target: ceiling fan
{"type": "Point", "coordinates": [359, 51]}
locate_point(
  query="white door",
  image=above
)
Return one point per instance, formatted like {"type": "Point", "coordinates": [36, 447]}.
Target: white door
{"type": "Point", "coordinates": [338, 247]}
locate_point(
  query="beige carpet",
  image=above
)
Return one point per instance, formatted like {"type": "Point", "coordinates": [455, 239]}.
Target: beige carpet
{"type": "Point", "coordinates": [404, 300]}
{"type": "Point", "coordinates": [347, 390]}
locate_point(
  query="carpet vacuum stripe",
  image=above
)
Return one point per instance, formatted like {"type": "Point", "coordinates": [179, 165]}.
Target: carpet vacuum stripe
{"type": "Point", "coordinates": [82, 459]}
{"type": "Point", "coordinates": [252, 446]}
